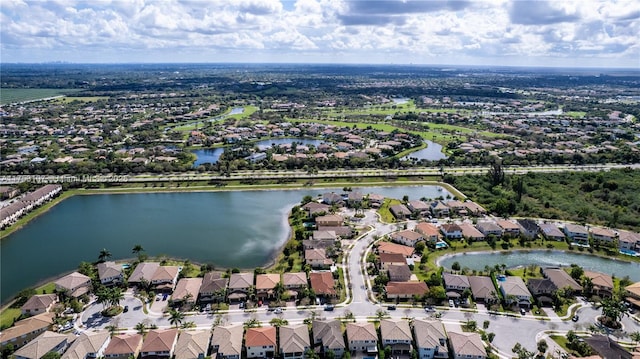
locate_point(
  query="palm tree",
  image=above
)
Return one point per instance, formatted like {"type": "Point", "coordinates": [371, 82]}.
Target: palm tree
{"type": "Point", "coordinates": [176, 317]}
{"type": "Point", "coordinates": [104, 255]}
{"type": "Point", "coordinates": [115, 296]}
{"type": "Point", "coordinates": [141, 328]}
{"type": "Point", "coordinates": [137, 250]}
{"type": "Point", "coordinates": [102, 296]}
{"type": "Point", "coordinates": [635, 336]}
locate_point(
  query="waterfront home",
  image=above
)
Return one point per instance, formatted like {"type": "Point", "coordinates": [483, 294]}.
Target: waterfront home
{"type": "Point", "coordinates": [561, 279]}
{"type": "Point", "coordinates": [528, 228]}
{"type": "Point", "coordinates": [396, 334]}
{"type": "Point", "coordinates": [515, 291]}
{"type": "Point", "coordinates": [317, 258]}
{"type": "Point", "coordinates": [577, 233]}
{"type": "Point", "coordinates": [602, 283]}
{"type": "Point", "coordinates": [73, 285]}
{"type": "Point", "coordinates": [362, 337]}
{"type": "Point", "coordinates": [457, 207]}
{"type": "Point", "coordinates": [186, 292]}
{"type": "Point", "coordinates": [47, 342]}
{"type": "Point", "coordinates": [226, 342]}
{"type": "Point", "coordinates": [603, 235]}
{"type": "Point", "coordinates": [629, 240]}
{"type": "Point", "coordinates": [400, 211]}
{"type": "Point", "coordinates": [88, 345]}
{"type": "Point", "coordinates": [399, 273]}
{"type": "Point", "coordinates": [143, 272]}
{"type": "Point", "coordinates": [239, 285]}
{"type": "Point", "coordinates": [451, 231]}
{"type": "Point", "coordinates": [482, 289]}
{"type": "Point", "coordinates": [474, 208]}
{"type": "Point", "coordinates": [470, 232]}
{"type": "Point", "coordinates": [430, 232]}
{"type": "Point", "coordinates": [340, 231]}
{"type": "Point", "coordinates": [420, 207]}
{"type": "Point", "coordinates": [324, 236]}
{"type": "Point", "coordinates": [388, 259]}
{"type": "Point", "coordinates": [332, 198]}
{"type": "Point", "coordinates": [39, 303]}
{"type": "Point", "coordinates": [439, 209]}
{"type": "Point", "coordinates": [266, 285]}
{"type": "Point", "coordinates": [25, 330]}
{"type": "Point", "coordinates": [329, 220]}
{"type": "Point", "coordinates": [455, 284]}
{"type": "Point", "coordinates": [489, 228]}
{"type": "Point", "coordinates": [124, 346]}
{"type": "Point", "coordinates": [509, 228]}
{"type": "Point", "coordinates": [260, 342]}
{"type": "Point", "coordinates": [354, 198]}
{"type": "Point", "coordinates": [542, 289]}
{"type": "Point", "coordinates": [375, 200]}
{"type": "Point", "coordinates": [110, 273]}
{"type": "Point", "coordinates": [467, 346]}
{"type": "Point", "coordinates": [323, 284]}
{"type": "Point", "coordinates": [159, 343]}
{"type": "Point", "coordinates": [431, 340]}
{"type": "Point", "coordinates": [407, 237]}
{"type": "Point", "coordinates": [294, 341]}
{"type": "Point", "coordinates": [192, 344]}
{"type": "Point", "coordinates": [294, 283]}
{"type": "Point", "coordinates": [633, 294]}
{"type": "Point", "coordinates": [313, 243]}
{"type": "Point", "coordinates": [213, 288]}
{"type": "Point", "coordinates": [551, 232]}
{"type": "Point", "coordinates": [406, 290]}
{"type": "Point", "coordinates": [328, 335]}
{"type": "Point", "coordinates": [314, 208]}
{"type": "Point", "coordinates": [393, 248]}
{"type": "Point", "coordinates": [8, 192]}
{"type": "Point", "coordinates": [164, 279]}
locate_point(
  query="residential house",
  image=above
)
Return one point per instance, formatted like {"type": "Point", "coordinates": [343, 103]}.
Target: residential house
{"type": "Point", "coordinates": [577, 233]}
{"type": "Point", "coordinates": [124, 346]}
{"type": "Point", "coordinates": [355, 198]}
{"type": "Point", "coordinates": [509, 228]}
{"type": "Point", "coordinates": [400, 211]}
{"type": "Point", "coordinates": [25, 330]}
{"type": "Point", "coordinates": [482, 289]}
{"type": "Point", "coordinates": [193, 344]}
{"type": "Point", "coordinates": [467, 346]}
{"type": "Point", "coordinates": [328, 334]}
{"type": "Point", "coordinates": [399, 273]}
{"type": "Point", "coordinates": [294, 341]}
{"type": "Point", "coordinates": [561, 279]}
{"type": "Point", "coordinates": [362, 337]}
{"type": "Point", "coordinates": [396, 334]}
{"type": "Point", "coordinates": [406, 290]}
{"type": "Point", "coordinates": [551, 232]}
{"type": "Point", "coordinates": [489, 229]}
{"type": "Point", "coordinates": [331, 220]}
{"type": "Point", "coordinates": [455, 283]}
{"type": "Point", "coordinates": [44, 343]}
{"type": "Point", "coordinates": [602, 283]}
{"type": "Point", "coordinates": [88, 345]}
{"type": "Point", "coordinates": [528, 228]}
{"type": "Point", "coordinates": [457, 207]}
{"type": "Point", "coordinates": [322, 284]}
{"type": "Point", "coordinates": [376, 200]}
{"type": "Point", "coordinates": [317, 258]}
{"type": "Point", "coordinates": [393, 248]}
{"type": "Point", "coordinates": [294, 283]}
{"type": "Point", "coordinates": [186, 291]}
{"type": "Point", "coordinates": [226, 342]}
{"type": "Point", "coordinates": [407, 237]}
{"type": "Point", "coordinates": [143, 272]}
{"type": "Point", "coordinates": [439, 209]}
{"type": "Point", "coordinates": [73, 285]}
{"type": "Point", "coordinates": [607, 347]}
{"type": "Point", "coordinates": [603, 235]}
{"type": "Point", "coordinates": [313, 243]}
{"type": "Point", "coordinates": [239, 285]}
{"type": "Point", "coordinates": [260, 342]}
{"type": "Point", "coordinates": [629, 240]}
{"type": "Point", "coordinates": [266, 285]}
{"type": "Point", "coordinates": [340, 231]}
{"type": "Point", "coordinates": [159, 343]}
{"type": "Point", "coordinates": [430, 232]}
{"type": "Point", "coordinates": [515, 291]}
{"type": "Point", "coordinates": [110, 273]}
{"type": "Point", "coordinates": [431, 339]}
{"type": "Point", "coordinates": [388, 259]}
{"type": "Point", "coordinates": [542, 289]}
{"type": "Point", "coordinates": [331, 198]}
{"type": "Point", "coordinates": [471, 233]}
{"type": "Point", "coordinates": [39, 303]}
{"type": "Point", "coordinates": [315, 208]}
{"type": "Point", "coordinates": [474, 208]}
{"type": "Point", "coordinates": [324, 236]}
{"type": "Point", "coordinates": [419, 207]}
{"type": "Point", "coordinates": [165, 277]}
{"type": "Point", "coordinates": [451, 231]}
{"type": "Point", "coordinates": [213, 288]}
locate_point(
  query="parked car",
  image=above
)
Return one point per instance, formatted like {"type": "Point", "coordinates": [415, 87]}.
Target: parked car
{"type": "Point", "coordinates": [523, 311]}
{"type": "Point", "coordinates": [391, 307]}
{"type": "Point", "coordinates": [278, 310]}
{"type": "Point", "coordinates": [241, 305]}
{"type": "Point", "coordinates": [328, 308]}
{"type": "Point", "coordinates": [126, 309]}
{"type": "Point", "coordinates": [429, 309]}
{"type": "Point", "coordinates": [575, 318]}
{"type": "Point", "coordinates": [451, 303]}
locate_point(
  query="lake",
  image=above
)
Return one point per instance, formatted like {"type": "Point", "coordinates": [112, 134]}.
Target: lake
{"type": "Point", "coordinates": [432, 152]}
{"type": "Point", "coordinates": [212, 155]}
{"type": "Point", "coordinates": [207, 155]}
{"type": "Point", "coordinates": [241, 229]}
{"type": "Point", "coordinates": [544, 258]}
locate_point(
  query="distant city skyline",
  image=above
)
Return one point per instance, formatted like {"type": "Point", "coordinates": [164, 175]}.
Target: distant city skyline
{"type": "Point", "coordinates": [590, 33]}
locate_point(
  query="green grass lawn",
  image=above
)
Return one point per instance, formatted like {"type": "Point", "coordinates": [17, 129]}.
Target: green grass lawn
{"type": "Point", "coordinates": [562, 341]}
{"type": "Point", "coordinates": [575, 114]}
{"type": "Point", "coordinates": [11, 95]}
{"type": "Point", "coordinates": [8, 316]}
{"type": "Point", "coordinates": [385, 213]}
{"type": "Point", "coordinates": [68, 99]}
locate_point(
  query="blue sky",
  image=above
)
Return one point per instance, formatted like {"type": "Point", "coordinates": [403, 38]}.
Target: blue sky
{"type": "Point", "coordinates": [584, 33]}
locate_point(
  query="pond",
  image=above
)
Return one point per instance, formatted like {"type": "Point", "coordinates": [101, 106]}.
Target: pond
{"type": "Point", "coordinates": [207, 155]}
{"type": "Point", "coordinates": [543, 258]}
{"type": "Point", "coordinates": [432, 152]}
{"type": "Point", "coordinates": [212, 155]}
